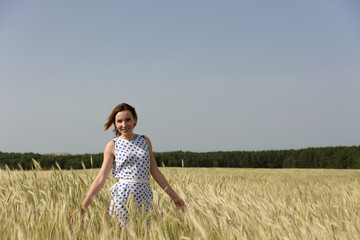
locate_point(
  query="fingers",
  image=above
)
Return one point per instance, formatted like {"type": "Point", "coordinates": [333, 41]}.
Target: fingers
{"type": "Point", "coordinates": [180, 204]}
{"type": "Point", "coordinates": [82, 212]}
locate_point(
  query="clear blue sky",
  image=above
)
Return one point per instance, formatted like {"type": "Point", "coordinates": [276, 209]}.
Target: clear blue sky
{"type": "Point", "coordinates": [202, 75]}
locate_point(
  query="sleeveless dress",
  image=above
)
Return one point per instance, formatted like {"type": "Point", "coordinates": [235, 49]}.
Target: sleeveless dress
{"type": "Point", "coordinates": [132, 168]}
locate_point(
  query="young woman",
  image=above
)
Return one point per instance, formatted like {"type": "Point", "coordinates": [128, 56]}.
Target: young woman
{"type": "Point", "coordinates": [132, 161]}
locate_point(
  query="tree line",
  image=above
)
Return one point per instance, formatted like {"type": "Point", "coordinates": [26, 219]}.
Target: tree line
{"type": "Point", "coordinates": [322, 157]}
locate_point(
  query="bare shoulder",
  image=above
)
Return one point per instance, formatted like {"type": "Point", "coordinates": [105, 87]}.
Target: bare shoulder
{"type": "Point", "coordinates": [111, 143]}
{"type": "Point", "coordinates": [148, 141]}
{"type": "Point", "coordinates": [110, 146]}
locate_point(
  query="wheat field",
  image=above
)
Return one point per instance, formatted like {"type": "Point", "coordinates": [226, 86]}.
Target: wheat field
{"type": "Point", "coordinates": [221, 204]}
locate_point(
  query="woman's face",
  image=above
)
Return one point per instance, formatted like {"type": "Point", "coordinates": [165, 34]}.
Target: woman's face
{"type": "Point", "coordinates": [125, 122]}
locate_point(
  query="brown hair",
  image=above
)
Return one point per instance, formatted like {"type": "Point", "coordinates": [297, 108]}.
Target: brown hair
{"type": "Point", "coordinates": [119, 108]}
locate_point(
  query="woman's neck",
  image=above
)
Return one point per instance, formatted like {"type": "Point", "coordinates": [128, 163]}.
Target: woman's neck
{"type": "Point", "coordinates": [129, 137]}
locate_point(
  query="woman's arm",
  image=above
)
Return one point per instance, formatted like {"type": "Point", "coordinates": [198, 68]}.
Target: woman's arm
{"type": "Point", "coordinates": [160, 179]}
{"type": "Point", "coordinates": [99, 181]}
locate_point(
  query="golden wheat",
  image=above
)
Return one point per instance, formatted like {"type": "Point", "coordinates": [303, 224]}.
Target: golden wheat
{"type": "Point", "coordinates": [222, 204]}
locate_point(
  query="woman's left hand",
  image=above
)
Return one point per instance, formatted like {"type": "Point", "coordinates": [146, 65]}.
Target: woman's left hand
{"type": "Point", "coordinates": [179, 203]}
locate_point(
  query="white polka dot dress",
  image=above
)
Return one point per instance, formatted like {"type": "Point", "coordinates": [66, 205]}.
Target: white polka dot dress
{"type": "Point", "coordinates": [132, 168]}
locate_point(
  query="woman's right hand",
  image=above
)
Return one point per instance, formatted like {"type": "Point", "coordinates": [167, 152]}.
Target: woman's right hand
{"type": "Point", "coordinates": [82, 212]}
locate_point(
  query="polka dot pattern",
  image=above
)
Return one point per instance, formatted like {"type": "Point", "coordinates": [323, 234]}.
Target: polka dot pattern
{"type": "Point", "coordinates": [132, 168]}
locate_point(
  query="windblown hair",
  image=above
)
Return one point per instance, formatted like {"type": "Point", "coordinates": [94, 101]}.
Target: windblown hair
{"type": "Point", "coordinates": [111, 119]}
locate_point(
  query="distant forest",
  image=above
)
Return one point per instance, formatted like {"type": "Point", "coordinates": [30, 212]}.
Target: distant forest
{"type": "Point", "coordinates": [322, 157]}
